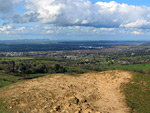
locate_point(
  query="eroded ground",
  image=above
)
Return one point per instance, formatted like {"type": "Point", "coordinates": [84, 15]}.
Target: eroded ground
{"type": "Point", "coordinates": [87, 93]}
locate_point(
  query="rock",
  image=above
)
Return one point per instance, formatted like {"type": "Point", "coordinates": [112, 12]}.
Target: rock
{"type": "Point", "coordinates": [57, 108]}
{"type": "Point", "coordinates": [76, 101]}
{"type": "Point", "coordinates": [85, 100]}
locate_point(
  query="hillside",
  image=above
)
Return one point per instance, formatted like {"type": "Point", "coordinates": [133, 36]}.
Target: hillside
{"type": "Point", "coordinates": [88, 93]}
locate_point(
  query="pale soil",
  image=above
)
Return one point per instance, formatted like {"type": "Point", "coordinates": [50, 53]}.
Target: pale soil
{"type": "Point", "coordinates": [59, 93]}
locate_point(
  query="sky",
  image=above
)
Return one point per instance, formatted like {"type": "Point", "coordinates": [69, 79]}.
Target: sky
{"type": "Point", "coordinates": [75, 19]}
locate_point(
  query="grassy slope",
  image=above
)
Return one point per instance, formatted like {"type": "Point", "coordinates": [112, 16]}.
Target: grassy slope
{"type": "Point", "coordinates": [138, 93]}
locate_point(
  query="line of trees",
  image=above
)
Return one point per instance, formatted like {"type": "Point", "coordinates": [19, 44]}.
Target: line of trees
{"type": "Point", "coordinates": [31, 68]}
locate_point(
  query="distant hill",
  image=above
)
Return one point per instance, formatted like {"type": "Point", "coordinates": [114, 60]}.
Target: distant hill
{"type": "Point", "coordinates": [145, 44]}
{"type": "Point", "coordinates": [24, 41]}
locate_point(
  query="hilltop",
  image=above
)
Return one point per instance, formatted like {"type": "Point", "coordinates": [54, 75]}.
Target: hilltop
{"type": "Point", "coordinates": [86, 93]}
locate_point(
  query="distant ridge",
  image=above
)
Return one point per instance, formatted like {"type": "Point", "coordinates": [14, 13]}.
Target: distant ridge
{"type": "Point", "coordinates": [49, 40]}
{"type": "Point", "coordinates": [146, 44]}
{"type": "Point", "coordinates": [25, 40]}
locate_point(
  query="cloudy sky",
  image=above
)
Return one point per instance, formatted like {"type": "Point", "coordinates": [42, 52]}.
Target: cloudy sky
{"type": "Point", "coordinates": [75, 19]}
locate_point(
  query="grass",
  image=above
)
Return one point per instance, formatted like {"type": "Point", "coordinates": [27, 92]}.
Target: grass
{"type": "Point", "coordinates": [3, 107]}
{"type": "Point", "coordinates": [15, 58]}
{"type": "Point", "coordinates": [72, 74]}
{"type": "Point", "coordinates": [77, 70]}
{"type": "Point", "coordinates": [144, 67]}
{"type": "Point", "coordinates": [138, 93]}
{"type": "Point", "coordinates": [6, 79]}
{"type": "Point", "coordinates": [31, 76]}
{"type": "Point", "coordinates": [45, 61]}
{"type": "Point", "coordinates": [5, 83]}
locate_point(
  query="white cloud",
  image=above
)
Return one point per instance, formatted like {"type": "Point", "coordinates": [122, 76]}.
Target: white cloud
{"type": "Point", "coordinates": [95, 31]}
{"type": "Point", "coordinates": [21, 28]}
{"type": "Point", "coordinates": [49, 32]}
{"type": "Point", "coordinates": [87, 13]}
{"type": "Point", "coordinates": [5, 28]}
{"type": "Point", "coordinates": [96, 17]}
{"type": "Point", "coordinates": [136, 32]}
{"type": "Point", "coordinates": [106, 15]}
{"type": "Point", "coordinates": [137, 24]}
{"type": "Point", "coordinates": [77, 27]}
{"type": "Point", "coordinates": [108, 29]}
{"type": "Point", "coordinates": [7, 32]}
{"type": "Point", "coordinates": [47, 27]}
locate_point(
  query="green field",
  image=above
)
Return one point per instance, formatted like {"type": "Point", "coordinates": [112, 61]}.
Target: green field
{"type": "Point", "coordinates": [15, 58]}
{"type": "Point", "coordinates": [6, 79]}
{"type": "Point", "coordinates": [144, 67]}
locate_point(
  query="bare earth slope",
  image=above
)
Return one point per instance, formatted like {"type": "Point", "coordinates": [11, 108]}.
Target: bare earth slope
{"type": "Point", "coordinates": [87, 93]}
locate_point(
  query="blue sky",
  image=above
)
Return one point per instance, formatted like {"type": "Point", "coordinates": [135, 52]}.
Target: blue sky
{"type": "Point", "coordinates": [75, 20]}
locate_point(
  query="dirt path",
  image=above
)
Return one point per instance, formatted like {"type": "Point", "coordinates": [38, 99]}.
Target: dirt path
{"type": "Point", "coordinates": [88, 93]}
